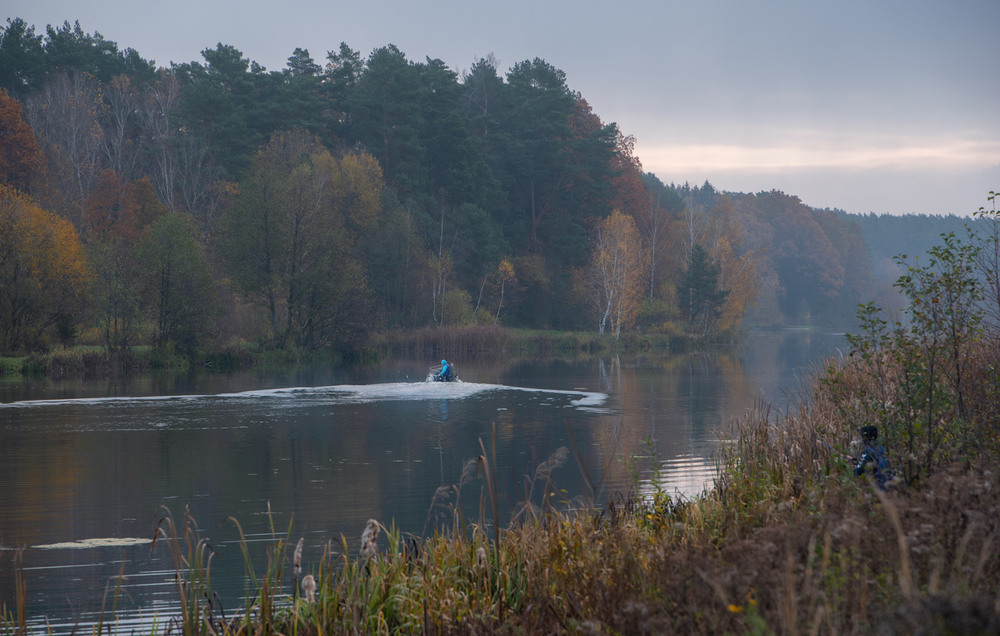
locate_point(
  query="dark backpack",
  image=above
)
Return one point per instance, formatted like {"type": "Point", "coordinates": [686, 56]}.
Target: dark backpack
{"type": "Point", "coordinates": [878, 458]}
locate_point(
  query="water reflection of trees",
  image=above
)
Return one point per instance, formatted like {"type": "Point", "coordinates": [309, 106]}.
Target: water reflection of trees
{"type": "Point", "coordinates": [668, 408]}
{"type": "Point", "coordinates": [675, 409]}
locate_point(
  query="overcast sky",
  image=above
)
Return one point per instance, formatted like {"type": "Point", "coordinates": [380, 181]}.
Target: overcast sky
{"type": "Point", "coordinates": [863, 105]}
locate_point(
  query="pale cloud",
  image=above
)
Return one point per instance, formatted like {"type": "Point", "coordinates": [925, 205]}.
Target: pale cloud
{"type": "Point", "coordinates": [913, 180]}
{"type": "Point", "coordinates": [903, 154]}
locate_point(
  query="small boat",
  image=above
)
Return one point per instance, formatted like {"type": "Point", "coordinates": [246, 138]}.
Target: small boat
{"type": "Point", "coordinates": [442, 373]}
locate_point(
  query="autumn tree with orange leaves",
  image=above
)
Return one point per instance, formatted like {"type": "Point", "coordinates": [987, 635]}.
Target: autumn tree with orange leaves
{"type": "Point", "coordinates": [738, 264]}
{"type": "Point", "coordinates": [116, 216]}
{"type": "Point", "coordinates": [43, 273]}
{"type": "Point", "coordinates": [21, 160]}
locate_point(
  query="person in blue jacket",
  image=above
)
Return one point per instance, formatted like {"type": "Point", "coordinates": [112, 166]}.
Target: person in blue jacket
{"type": "Point", "coordinates": [874, 458]}
{"type": "Point", "coordinates": [444, 375]}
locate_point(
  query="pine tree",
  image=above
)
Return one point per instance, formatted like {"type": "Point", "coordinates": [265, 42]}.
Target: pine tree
{"type": "Point", "coordinates": [698, 295]}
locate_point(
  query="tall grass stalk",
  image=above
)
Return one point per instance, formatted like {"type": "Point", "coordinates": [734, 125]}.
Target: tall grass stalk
{"type": "Point", "coordinates": [17, 623]}
{"type": "Point", "coordinates": [491, 488]}
{"type": "Point", "coordinates": [192, 557]}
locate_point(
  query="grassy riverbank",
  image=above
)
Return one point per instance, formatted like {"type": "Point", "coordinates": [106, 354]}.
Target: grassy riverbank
{"type": "Point", "coordinates": [789, 541]}
{"type": "Point", "coordinates": [429, 342]}
{"type": "Point", "coordinates": [492, 340]}
{"type": "Point", "coordinates": [98, 361]}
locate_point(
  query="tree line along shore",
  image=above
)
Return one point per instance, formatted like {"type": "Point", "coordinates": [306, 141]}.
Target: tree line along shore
{"type": "Point", "coordinates": [214, 202]}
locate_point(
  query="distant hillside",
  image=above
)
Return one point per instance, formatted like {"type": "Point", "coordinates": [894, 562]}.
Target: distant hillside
{"type": "Point", "coordinates": [888, 235]}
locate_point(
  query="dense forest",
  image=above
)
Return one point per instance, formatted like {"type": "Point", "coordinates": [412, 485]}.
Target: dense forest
{"type": "Point", "coordinates": [215, 201]}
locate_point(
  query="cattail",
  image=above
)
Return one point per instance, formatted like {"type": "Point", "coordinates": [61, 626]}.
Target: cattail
{"type": "Point", "coordinates": [481, 562]}
{"type": "Point", "coordinates": [369, 538]}
{"type": "Point", "coordinates": [468, 472]}
{"type": "Point", "coordinates": [309, 588]}
{"type": "Point", "coordinates": [440, 504]}
{"type": "Point", "coordinates": [555, 460]}
{"type": "Point", "coordinates": [441, 496]}
{"type": "Point", "coordinates": [297, 558]}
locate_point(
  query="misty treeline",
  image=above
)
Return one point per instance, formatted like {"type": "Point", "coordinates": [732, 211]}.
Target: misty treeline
{"type": "Point", "coordinates": [213, 202]}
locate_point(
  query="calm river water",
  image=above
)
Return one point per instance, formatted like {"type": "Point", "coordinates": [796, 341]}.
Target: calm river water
{"type": "Point", "coordinates": [89, 467]}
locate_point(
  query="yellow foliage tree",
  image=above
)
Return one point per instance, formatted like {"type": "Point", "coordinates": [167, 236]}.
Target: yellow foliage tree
{"type": "Point", "coordinates": [617, 265]}
{"type": "Point", "coordinates": [43, 271]}
{"type": "Point", "coordinates": [358, 194]}
{"type": "Point", "coordinates": [293, 239]}
{"type": "Point", "coordinates": [739, 268]}
{"type": "Point", "coordinates": [505, 274]}
{"type": "Point", "coordinates": [738, 276]}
